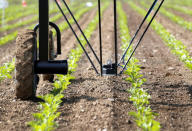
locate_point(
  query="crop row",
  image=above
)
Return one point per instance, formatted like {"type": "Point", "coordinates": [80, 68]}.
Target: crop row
{"type": "Point", "coordinates": [176, 46]}
{"type": "Point", "coordinates": [13, 35]}
{"type": "Point", "coordinates": [180, 2]}
{"type": "Point", "coordinates": [179, 8]}
{"type": "Point", "coordinates": [48, 109]}
{"type": "Point", "coordinates": [34, 18]}
{"type": "Point", "coordinates": [16, 12]}
{"type": "Point", "coordinates": [21, 23]}
{"type": "Point", "coordinates": [177, 19]}
{"type": "Point", "coordinates": [144, 117]}
{"type": "Point", "coordinates": [6, 70]}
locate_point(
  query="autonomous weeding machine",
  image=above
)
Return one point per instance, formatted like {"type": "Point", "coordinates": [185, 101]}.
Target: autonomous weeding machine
{"type": "Point", "coordinates": [34, 57]}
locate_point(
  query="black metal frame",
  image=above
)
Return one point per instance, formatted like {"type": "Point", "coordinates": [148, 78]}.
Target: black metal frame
{"type": "Point", "coordinates": [56, 67]}
{"type": "Point", "coordinates": [43, 65]}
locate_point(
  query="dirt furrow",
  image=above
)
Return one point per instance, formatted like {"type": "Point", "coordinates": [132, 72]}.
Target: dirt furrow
{"type": "Point", "coordinates": [168, 81]}
{"type": "Point", "coordinates": [178, 31]}
{"type": "Point", "coordinates": [69, 40]}
{"type": "Point", "coordinates": [16, 113]}
{"type": "Point", "coordinates": [83, 107]}
{"type": "Point", "coordinates": [186, 17]}
{"type": "Point", "coordinates": [88, 102]}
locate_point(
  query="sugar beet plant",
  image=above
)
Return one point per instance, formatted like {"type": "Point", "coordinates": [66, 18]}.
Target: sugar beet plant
{"type": "Point", "coordinates": [10, 37]}
{"type": "Point", "coordinates": [6, 70]}
{"type": "Point", "coordinates": [179, 8]}
{"type": "Point", "coordinates": [144, 117]}
{"type": "Point", "coordinates": [177, 19]}
{"type": "Point", "coordinates": [176, 46]}
{"type": "Point", "coordinates": [45, 120]}
{"type": "Point", "coordinates": [180, 2]}
{"type": "Point", "coordinates": [35, 17]}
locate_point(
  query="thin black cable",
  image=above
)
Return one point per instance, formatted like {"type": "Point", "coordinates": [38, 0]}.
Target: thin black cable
{"type": "Point", "coordinates": [142, 36]}
{"type": "Point", "coordinates": [100, 37]}
{"type": "Point", "coordinates": [76, 37]}
{"type": "Point", "coordinates": [81, 31]}
{"type": "Point", "coordinates": [133, 38]}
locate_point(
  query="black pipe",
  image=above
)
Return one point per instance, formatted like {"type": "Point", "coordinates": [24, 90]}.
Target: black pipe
{"type": "Point", "coordinates": [100, 37]}
{"type": "Point", "coordinates": [115, 33]}
{"type": "Point", "coordinates": [43, 30]}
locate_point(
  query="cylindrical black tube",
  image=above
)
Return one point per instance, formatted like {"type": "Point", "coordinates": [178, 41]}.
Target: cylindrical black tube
{"type": "Point", "coordinates": [51, 67]}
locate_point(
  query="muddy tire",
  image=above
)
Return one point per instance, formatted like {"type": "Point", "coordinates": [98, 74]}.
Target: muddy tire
{"type": "Point", "coordinates": [25, 77]}
{"type": "Point", "coordinates": [50, 77]}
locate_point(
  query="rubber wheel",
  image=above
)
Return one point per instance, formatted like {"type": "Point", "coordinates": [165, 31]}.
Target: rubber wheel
{"type": "Point", "coordinates": [25, 56]}
{"type": "Point", "coordinates": [50, 77]}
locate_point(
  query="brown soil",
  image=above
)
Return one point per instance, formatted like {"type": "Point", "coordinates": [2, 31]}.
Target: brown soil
{"type": "Point", "coordinates": [177, 30]}
{"type": "Point", "coordinates": [186, 17]}
{"type": "Point", "coordinates": [168, 81]}
{"type": "Point", "coordinates": [101, 103]}
{"type": "Point", "coordinates": [16, 113]}
{"type": "Point", "coordinates": [93, 102]}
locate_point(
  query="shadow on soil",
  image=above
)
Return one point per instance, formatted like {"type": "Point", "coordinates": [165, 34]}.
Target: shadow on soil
{"type": "Point", "coordinates": [171, 105]}
{"type": "Point", "coordinates": [34, 99]}
{"type": "Point", "coordinates": [173, 88]}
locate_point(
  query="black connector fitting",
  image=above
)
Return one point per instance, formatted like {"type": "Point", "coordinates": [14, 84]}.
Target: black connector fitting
{"type": "Point", "coordinates": [109, 69]}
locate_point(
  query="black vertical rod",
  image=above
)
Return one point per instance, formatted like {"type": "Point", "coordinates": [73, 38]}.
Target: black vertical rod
{"type": "Point", "coordinates": [142, 36]}
{"type": "Point", "coordinates": [115, 33]}
{"type": "Point", "coordinates": [43, 29]}
{"type": "Point", "coordinates": [100, 37]}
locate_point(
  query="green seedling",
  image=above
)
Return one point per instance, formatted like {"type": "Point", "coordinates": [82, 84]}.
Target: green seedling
{"type": "Point", "coordinates": [45, 120]}
{"type": "Point", "coordinates": [144, 117]}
